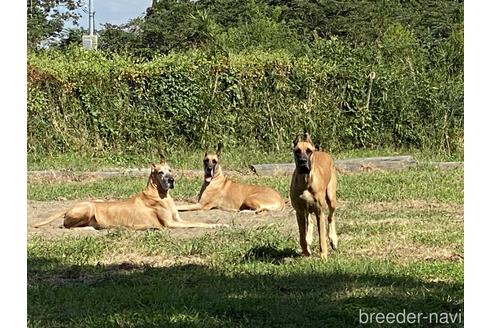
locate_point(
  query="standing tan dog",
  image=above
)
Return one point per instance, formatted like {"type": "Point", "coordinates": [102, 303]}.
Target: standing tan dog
{"type": "Point", "coordinates": [153, 208]}
{"type": "Point", "coordinates": [218, 191]}
{"type": "Point", "coordinates": [312, 189]}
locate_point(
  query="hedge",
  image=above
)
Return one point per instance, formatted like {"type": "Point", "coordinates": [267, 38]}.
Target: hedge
{"type": "Point", "coordinates": [396, 94]}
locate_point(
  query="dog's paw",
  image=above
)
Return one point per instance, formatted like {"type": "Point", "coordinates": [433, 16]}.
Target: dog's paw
{"type": "Point", "coordinates": [333, 245]}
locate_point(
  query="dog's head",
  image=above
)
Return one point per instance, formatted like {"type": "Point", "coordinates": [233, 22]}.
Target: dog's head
{"type": "Point", "coordinates": [161, 175]}
{"type": "Point", "coordinates": [303, 150]}
{"type": "Point", "coordinates": [211, 164]}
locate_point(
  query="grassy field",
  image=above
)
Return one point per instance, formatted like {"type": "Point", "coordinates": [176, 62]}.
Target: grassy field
{"type": "Point", "coordinates": [191, 159]}
{"type": "Point", "coordinates": [401, 248]}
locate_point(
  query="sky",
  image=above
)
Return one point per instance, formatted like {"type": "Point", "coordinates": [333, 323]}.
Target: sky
{"type": "Point", "coordinates": [114, 11]}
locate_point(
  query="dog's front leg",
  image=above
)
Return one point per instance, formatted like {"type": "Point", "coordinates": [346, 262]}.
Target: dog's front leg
{"type": "Point", "coordinates": [175, 215]}
{"type": "Point", "coordinates": [303, 222]}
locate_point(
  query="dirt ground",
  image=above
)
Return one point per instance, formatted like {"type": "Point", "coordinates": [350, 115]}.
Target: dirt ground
{"type": "Point", "coordinates": [38, 211]}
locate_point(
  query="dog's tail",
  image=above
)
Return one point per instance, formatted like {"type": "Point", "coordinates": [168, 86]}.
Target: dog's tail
{"type": "Point", "coordinates": [52, 218]}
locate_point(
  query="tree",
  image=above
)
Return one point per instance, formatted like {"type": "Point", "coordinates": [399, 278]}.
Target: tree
{"type": "Point", "coordinates": [46, 18]}
{"type": "Point", "coordinates": [169, 25]}
{"type": "Point", "coordinates": [71, 36]}
{"type": "Point", "coordinates": [123, 38]}
{"type": "Point", "coordinates": [363, 22]}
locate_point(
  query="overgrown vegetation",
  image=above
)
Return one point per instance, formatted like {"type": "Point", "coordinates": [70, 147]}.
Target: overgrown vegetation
{"type": "Point", "coordinates": [90, 102]}
{"type": "Point", "coordinates": [381, 74]}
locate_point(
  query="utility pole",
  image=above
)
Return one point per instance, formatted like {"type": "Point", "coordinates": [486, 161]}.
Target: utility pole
{"type": "Point", "coordinates": [91, 17]}
{"type": "Point", "coordinates": [90, 41]}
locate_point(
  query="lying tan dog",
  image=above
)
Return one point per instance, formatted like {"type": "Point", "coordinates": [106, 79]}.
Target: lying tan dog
{"type": "Point", "coordinates": [312, 189]}
{"type": "Point", "coordinates": [153, 208]}
{"type": "Point", "coordinates": [218, 191]}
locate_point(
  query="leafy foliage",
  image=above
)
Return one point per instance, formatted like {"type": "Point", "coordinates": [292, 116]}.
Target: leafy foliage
{"type": "Point", "coordinates": [46, 18]}
{"type": "Point", "coordinates": [282, 24]}
{"type": "Point", "coordinates": [357, 74]}
{"type": "Point", "coordinates": [120, 38]}
{"type": "Point", "coordinates": [387, 96]}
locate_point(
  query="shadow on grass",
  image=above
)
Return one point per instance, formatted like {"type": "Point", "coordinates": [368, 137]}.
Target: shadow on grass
{"type": "Point", "coordinates": [128, 295]}
{"type": "Point", "coordinates": [270, 254]}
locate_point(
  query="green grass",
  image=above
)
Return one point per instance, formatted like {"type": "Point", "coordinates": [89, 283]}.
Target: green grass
{"type": "Point", "coordinates": [184, 159]}
{"type": "Point", "coordinates": [423, 183]}
{"type": "Point", "coordinates": [245, 281]}
{"type": "Point", "coordinates": [192, 159]}
{"type": "Point", "coordinates": [401, 248]}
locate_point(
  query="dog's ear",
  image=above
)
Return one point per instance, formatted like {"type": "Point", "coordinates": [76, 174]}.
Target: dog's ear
{"type": "Point", "coordinates": [163, 159]}
{"type": "Point", "coordinates": [296, 140]}
{"type": "Point", "coordinates": [219, 149]}
{"type": "Point", "coordinates": [152, 166]}
{"type": "Point", "coordinates": [307, 138]}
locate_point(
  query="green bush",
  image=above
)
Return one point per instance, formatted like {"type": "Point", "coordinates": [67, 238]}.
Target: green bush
{"type": "Point", "coordinates": [395, 94]}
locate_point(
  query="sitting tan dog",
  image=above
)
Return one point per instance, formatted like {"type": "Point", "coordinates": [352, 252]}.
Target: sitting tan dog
{"type": "Point", "coordinates": [218, 191]}
{"type": "Point", "coordinates": [153, 208]}
{"type": "Point", "coordinates": [312, 190]}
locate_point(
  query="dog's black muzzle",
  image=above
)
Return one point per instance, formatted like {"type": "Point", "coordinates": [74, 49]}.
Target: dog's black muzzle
{"type": "Point", "coordinates": [209, 172]}
{"type": "Point", "coordinates": [167, 182]}
{"type": "Point", "coordinates": [303, 165]}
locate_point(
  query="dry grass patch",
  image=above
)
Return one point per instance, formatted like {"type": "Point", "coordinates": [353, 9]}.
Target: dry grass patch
{"type": "Point", "coordinates": [402, 252]}
{"type": "Point", "coordinates": [413, 205]}
{"type": "Point", "coordinates": [156, 261]}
